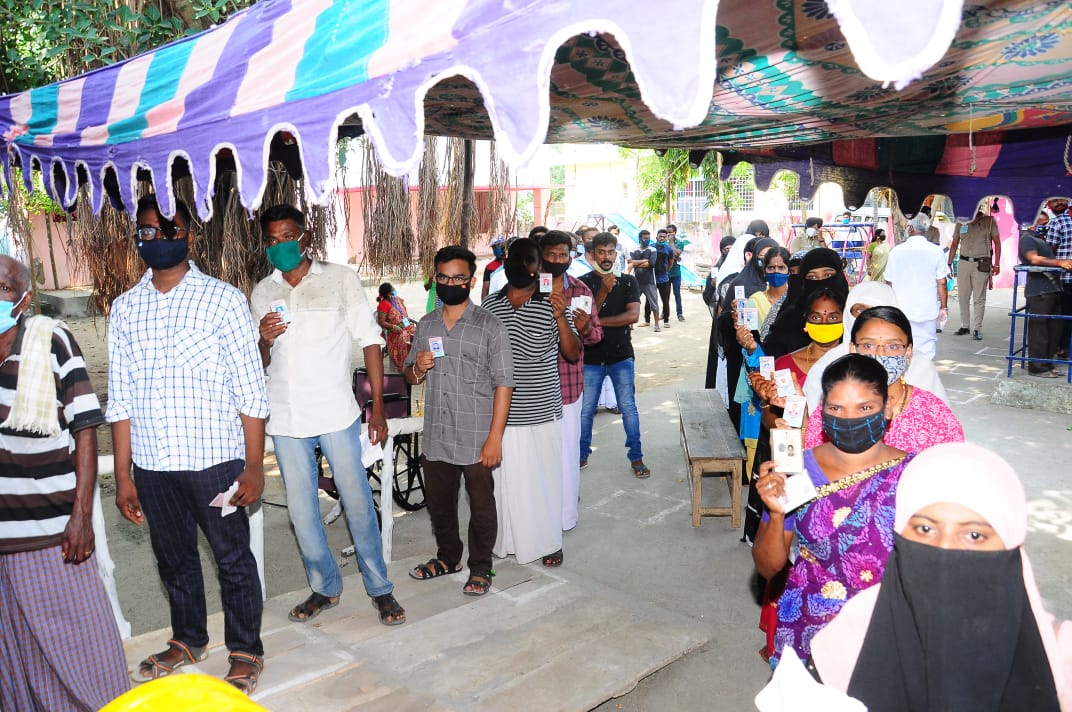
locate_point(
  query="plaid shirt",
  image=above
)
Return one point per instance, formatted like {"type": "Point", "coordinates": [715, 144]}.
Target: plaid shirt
{"type": "Point", "coordinates": [182, 366]}
{"type": "Point", "coordinates": [571, 375]}
{"type": "Point", "coordinates": [1060, 238]}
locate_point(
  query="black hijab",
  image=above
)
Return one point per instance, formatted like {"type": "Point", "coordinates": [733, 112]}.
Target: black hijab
{"type": "Point", "coordinates": [787, 332]}
{"type": "Point", "coordinates": [953, 630]}
{"type": "Point", "coordinates": [752, 276]}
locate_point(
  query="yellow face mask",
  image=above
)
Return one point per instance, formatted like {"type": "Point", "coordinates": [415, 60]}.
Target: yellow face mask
{"type": "Point", "coordinates": [825, 333]}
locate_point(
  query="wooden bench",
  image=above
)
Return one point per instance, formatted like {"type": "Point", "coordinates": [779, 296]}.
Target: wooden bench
{"type": "Point", "coordinates": [711, 446]}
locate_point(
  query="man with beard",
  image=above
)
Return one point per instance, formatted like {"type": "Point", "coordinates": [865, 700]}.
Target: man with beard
{"type": "Point", "coordinates": [556, 260]}
{"type": "Point", "coordinates": [467, 399]}
{"type": "Point", "coordinates": [187, 404]}
{"type": "Point", "coordinates": [528, 484]}
{"type": "Point", "coordinates": [617, 302]}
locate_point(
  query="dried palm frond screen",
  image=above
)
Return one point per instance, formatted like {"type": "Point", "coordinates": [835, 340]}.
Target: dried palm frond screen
{"type": "Point", "coordinates": [385, 208]}
{"type": "Point", "coordinates": [502, 207]}
{"type": "Point", "coordinates": [429, 206]}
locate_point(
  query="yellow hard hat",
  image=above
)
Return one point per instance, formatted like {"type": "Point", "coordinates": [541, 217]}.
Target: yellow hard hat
{"type": "Point", "coordinates": [186, 692]}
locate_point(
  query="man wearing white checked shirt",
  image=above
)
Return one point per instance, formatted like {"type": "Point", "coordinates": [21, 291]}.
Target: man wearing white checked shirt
{"type": "Point", "coordinates": [187, 403]}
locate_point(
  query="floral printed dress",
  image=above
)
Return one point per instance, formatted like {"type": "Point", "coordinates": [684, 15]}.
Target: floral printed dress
{"type": "Point", "coordinates": [843, 539]}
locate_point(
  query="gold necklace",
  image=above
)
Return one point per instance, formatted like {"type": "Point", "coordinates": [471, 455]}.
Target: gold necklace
{"type": "Point", "coordinates": [904, 398]}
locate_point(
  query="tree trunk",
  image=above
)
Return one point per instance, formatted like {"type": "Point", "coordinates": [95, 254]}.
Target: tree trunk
{"type": "Point", "coordinates": [51, 252]}
{"type": "Point", "coordinates": [469, 167]}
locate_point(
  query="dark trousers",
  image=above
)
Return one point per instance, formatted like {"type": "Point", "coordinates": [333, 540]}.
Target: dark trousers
{"type": "Point", "coordinates": [675, 283]}
{"type": "Point", "coordinates": [1066, 309]}
{"type": "Point", "coordinates": [176, 505]}
{"type": "Point", "coordinates": [664, 297]}
{"type": "Point", "coordinates": [1043, 335]}
{"type": "Point", "coordinates": [442, 482]}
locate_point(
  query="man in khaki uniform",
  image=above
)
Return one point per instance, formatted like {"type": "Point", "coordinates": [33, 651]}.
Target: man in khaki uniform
{"type": "Point", "coordinates": [979, 241]}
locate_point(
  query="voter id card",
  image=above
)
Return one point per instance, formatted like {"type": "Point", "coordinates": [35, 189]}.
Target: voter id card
{"type": "Point", "coordinates": [582, 302]}
{"type": "Point", "coordinates": [738, 292]}
{"type": "Point", "coordinates": [799, 490]}
{"type": "Point", "coordinates": [546, 280]}
{"type": "Point", "coordinates": [793, 413]}
{"type": "Point", "coordinates": [786, 450]}
{"type": "Point", "coordinates": [279, 306]}
{"type": "Point", "coordinates": [766, 366]}
{"type": "Point", "coordinates": [784, 380]}
{"type": "Point", "coordinates": [435, 345]}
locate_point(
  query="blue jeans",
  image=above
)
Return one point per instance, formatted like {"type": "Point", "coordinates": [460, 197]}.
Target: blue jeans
{"type": "Point", "coordinates": [675, 284]}
{"type": "Point", "coordinates": [297, 464]}
{"type": "Point", "coordinates": [622, 378]}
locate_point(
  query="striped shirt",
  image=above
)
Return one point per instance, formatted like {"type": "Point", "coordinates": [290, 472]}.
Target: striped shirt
{"type": "Point", "coordinates": [37, 478]}
{"type": "Point", "coordinates": [182, 366]}
{"type": "Point", "coordinates": [537, 396]}
{"type": "Point", "coordinates": [571, 375]}
{"type": "Point", "coordinates": [460, 391]}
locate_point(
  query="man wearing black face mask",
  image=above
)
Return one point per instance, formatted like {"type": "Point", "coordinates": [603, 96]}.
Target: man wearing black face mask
{"type": "Point", "coordinates": [187, 403]}
{"type": "Point", "coordinates": [467, 399]}
{"type": "Point", "coordinates": [528, 485]}
{"type": "Point", "coordinates": [556, 260]}
{"type": "Point", "coordinates": [643, 262]}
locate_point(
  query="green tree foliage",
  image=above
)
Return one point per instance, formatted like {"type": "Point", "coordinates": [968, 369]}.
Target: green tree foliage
{"type": "Point", "coordinates": [44, 41]}
{"type": "Point", "coordinates": [671, 172]}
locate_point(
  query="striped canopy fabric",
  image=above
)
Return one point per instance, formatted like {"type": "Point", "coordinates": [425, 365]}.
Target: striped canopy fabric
{"type": "Point", "coordinates": [775, 75]}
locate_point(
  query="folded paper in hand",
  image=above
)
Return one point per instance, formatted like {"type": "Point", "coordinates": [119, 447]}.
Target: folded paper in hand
{"type": "Point", "coordinates": [223, 500]}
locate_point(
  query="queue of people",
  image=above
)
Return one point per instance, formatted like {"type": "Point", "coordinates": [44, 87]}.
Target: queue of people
{"type": "Point", "coordinates": [840, 374]}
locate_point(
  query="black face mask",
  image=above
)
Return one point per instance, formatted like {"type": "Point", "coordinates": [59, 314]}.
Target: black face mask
{"type": "Point", "coordinates": [518, 276]}
{"type": "Point", "coordinates": [854, 435]}
{"type": "Point", "coordinates": [452, 294]}
{"type": "Point", "coordinates": [556, 269]}
{"type": "Point", "coordinates": [161, 253]}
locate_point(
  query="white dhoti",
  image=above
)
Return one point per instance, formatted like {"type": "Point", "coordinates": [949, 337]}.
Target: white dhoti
{"type": "Point", "coordinates": [528, 492]}
{"type": "Point", "coordinates": [607, 399]}
{"type": "Point", "coordinates": [924, 338]}
{"type": "Point", "coordinates": [571, 462]}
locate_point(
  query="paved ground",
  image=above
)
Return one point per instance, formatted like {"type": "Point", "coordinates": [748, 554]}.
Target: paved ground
{"type": "Point", "coordinates": [640, 587]}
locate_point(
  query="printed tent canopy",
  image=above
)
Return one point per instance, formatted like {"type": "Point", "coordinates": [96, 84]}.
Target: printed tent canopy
{"type": "Point", "coordinates": [287, 77]}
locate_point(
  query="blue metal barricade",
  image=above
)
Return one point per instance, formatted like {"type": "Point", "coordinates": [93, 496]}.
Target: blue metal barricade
{"type": "Point", "coordinates": [1020, 353]}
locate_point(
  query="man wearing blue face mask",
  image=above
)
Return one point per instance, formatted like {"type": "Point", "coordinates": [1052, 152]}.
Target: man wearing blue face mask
{"type": "Point", "coordinates": [187, 405]}
{"type": "Point", "coordinates": [306, 349]}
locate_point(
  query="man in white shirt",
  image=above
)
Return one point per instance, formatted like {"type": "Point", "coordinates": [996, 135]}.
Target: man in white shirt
{"type": "Point", "coordinates": [306, 352]}
{"type": "Point", "coordinates": [917, 271]}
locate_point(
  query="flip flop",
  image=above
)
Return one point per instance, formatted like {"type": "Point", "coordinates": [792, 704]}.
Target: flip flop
{"type": "Point", "coordinates": [433, 569]}
{"type": "Point", "coordinates": [640, 469]}
{"type": "Point", "coordinates": [311, 607]}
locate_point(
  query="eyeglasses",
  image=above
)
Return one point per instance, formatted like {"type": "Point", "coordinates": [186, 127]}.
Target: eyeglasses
{"type": "Point", "coordinates": [871, 348]}
{"type": "Point", "coordinates": [441, 278]}
{"type": "Point", "coordinates": [148, 233]}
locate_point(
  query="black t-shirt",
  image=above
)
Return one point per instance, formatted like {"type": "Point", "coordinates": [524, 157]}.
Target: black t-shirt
{"type": "Point", "coordinates": [644, 275]}
{"type": "Point", "coordinates": [1038, 283]}
{"type": "Point", "coordinates": [617, 345]}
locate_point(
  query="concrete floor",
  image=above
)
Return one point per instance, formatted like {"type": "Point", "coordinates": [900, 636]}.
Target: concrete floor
{"type": "Point", "coordinates": [634, 549]}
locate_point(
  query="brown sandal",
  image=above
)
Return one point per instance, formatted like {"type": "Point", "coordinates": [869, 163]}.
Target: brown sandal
{"type": "Point", "coordinates": [311, 607]}
{"type": "Point", "coordinates": [246, 682]}
{"type": "Point", "coordinates": [154, 667]}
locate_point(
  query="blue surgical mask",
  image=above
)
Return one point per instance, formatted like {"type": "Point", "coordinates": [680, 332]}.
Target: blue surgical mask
{"type": "Point", "coordinates": [777, 279]}
{"type": "Point", "coordinates": [6, 319]}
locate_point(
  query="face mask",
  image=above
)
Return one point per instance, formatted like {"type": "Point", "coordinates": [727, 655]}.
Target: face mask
{"type": "Point", "coordinates": [645, 241]}
{"type": "Point", "coordinates": [580, 251]}
{"type": "Point", "coordinates": [777, 279]}
{"type": "Point", "coordinates": [895, 366]}
{"type": "Point", "coordinates": [497, 251]}
{"type": "Point", "coordinates": [854, 435]}
{"type": "Point", "coordinates": [557, 269]}
{"type": "Point", "coordinates": [1042, 230]}
{"type": "Point", "coordinates": [519, 277]}
{"type": "Point", "coordinates": [6, 320]}
{"type": "Point", "coordinates": [811, 232]}
{"type": "Point", "coordinates": [286, 255]}
{"type": "Point", "coordinates": [452, 294]}
{"type": "Point", "coordinates": [163, 254]}
{"type": "Point", "coordinates": [824, 333]}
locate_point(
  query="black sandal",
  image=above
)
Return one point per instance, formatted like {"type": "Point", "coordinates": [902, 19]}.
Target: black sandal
{"type": "Point", "coordinates": [311, 607]}
{"type": "Point", "coordinates": [390, 612]}
{"type": "Point", "coordinates": [246, 682]}
{"type": "Point", "coordinates": [433, 569]}
{"type": "Point", "coordinates": [480, 581]}
{"type": "Point", "coordinates": [553, 560]}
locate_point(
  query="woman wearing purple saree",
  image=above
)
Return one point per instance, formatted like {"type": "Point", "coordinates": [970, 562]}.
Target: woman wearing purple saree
{"type": "Point", "coordinates": [842, 537]}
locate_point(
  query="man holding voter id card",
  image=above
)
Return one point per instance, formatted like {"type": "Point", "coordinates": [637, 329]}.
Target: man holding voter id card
{"type": "Point", "coordinates": [310, 313]}
{"type": "Point", "coordinates": [556, 261]}
{"type": "Point", "coordinates": [461, 352]}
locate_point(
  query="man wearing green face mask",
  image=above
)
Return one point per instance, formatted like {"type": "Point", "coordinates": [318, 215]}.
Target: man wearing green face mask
{"type": "Point", "coordinates": [310, 313]}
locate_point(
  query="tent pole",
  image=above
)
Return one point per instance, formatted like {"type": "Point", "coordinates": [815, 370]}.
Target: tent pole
{"type": "Point", "coordinates": [468, 168]}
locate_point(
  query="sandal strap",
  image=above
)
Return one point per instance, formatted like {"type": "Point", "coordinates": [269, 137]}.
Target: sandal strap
{"type": "Point", "coordinates": [240, 657]}
{"type": "Point", "coordinates": [186, 651]}
{"type": "Point", "coordinates": [156, 665]}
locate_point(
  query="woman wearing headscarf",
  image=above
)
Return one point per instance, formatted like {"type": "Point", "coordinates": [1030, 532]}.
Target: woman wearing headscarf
{"type": "Point", "coordinates": [820, 268]}
{"type": "Point", "coordinates": [957, 622]}
{"type": "Point", "coordinates": [752, 279]}
{"type": "Point", "coordinates": [920, 372]}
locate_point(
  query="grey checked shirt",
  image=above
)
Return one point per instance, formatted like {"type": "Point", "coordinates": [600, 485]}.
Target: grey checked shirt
{"type": "Point", "coordinates": [460, 390]}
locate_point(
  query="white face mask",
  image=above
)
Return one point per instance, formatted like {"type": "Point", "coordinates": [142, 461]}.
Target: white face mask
{"type": "Point", "coordinates": [811, 232]}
